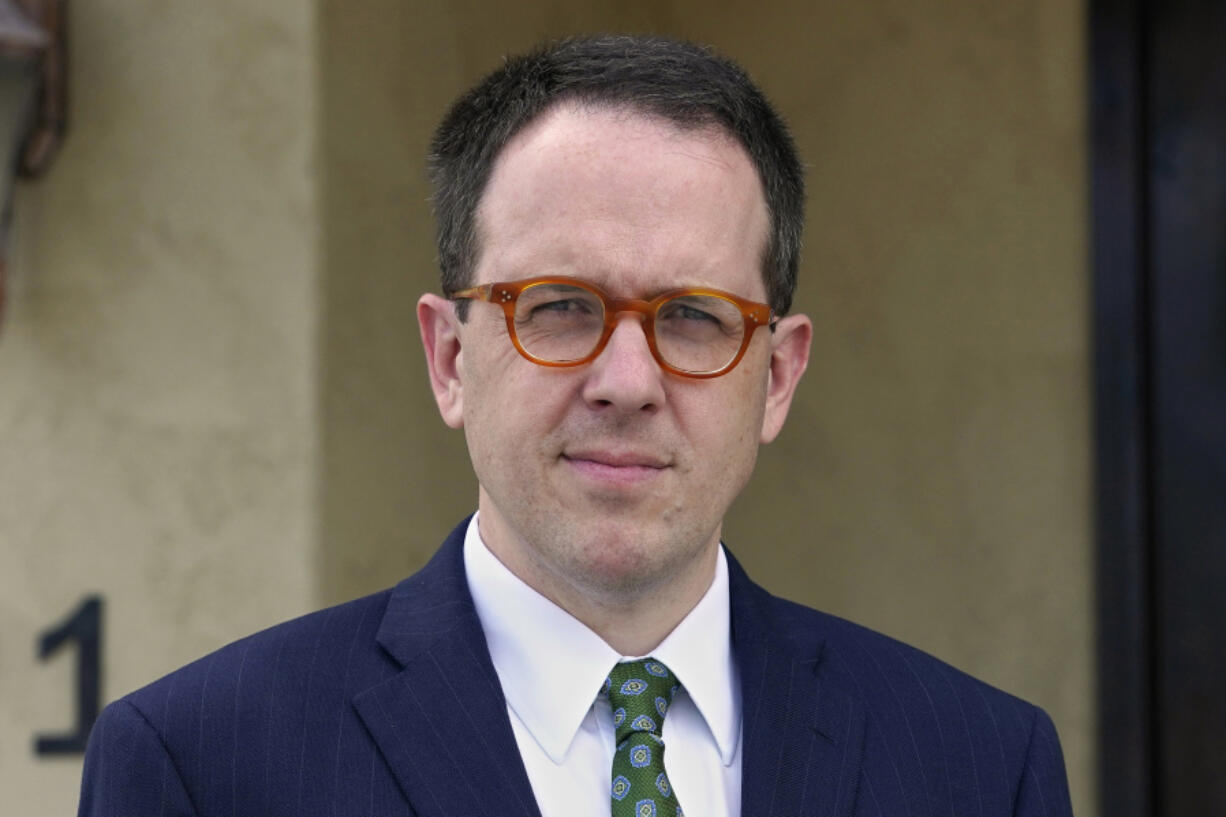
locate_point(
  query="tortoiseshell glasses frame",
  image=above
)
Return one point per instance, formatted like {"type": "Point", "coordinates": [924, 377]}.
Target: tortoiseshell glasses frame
{"type": "Point", "coordinates": [705, 331]}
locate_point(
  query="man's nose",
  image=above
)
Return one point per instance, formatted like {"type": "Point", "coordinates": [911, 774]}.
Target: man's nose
{"type": "Point", "coordinates": [625, 374]}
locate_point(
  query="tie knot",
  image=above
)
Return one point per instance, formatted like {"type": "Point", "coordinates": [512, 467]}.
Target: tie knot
{"type": "Point", "coordinates": [640, 693]}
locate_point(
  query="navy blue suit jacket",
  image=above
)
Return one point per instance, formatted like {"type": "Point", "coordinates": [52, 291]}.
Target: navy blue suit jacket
{"type": "Point", "coordinates": [390, 705]}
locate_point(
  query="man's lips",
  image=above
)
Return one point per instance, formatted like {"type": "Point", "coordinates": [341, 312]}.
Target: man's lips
{"type": "Point", "coordinates": [625, 467]}
{"type": "Point", "coordinates": [617, 459]}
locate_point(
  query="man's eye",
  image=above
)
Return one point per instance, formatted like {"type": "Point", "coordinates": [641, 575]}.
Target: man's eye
{"type": "Point", "coordinates": [686, 312]}
{"type": "Point", "coordinates": [691, 314]}
{"type": "Point", "coordinates": [569, 305]}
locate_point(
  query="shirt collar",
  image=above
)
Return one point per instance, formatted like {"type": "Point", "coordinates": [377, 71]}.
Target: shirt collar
{"type": "Point", "coordinates": [699, 652]}
{"type": "Point", "coordinates": [552, 667]}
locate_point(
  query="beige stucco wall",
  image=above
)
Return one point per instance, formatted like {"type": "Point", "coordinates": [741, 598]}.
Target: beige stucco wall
{"type": "Point", "coordinates": [157, 360]}
{"type": "Point", "coordinates": [213, 407]}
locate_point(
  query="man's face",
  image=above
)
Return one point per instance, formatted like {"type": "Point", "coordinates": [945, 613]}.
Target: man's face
{"type": "Point", "coordinates": [613, 477]}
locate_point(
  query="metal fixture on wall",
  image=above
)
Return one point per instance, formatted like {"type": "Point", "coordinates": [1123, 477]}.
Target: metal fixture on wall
{"type": "Point", "coordinates": [32, 99]}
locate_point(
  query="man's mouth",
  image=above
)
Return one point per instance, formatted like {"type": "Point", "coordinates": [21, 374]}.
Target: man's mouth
{"type": "Point", "coordinates": [617, 459]}
{"type": "Point", "coordinates": [621, 467]}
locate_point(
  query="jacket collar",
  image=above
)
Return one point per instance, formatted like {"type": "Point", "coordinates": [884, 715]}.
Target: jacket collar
{"type": "Point", "coordinates": [803, 735]}
{"type": "Point", "coordinates": [442, 723]}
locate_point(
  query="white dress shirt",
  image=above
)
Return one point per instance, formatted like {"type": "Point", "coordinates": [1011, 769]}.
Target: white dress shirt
{"type": "Point", "coordinates": [552, 668]}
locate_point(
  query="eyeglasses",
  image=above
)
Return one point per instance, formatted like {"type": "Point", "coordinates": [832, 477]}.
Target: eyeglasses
{"type": "Point", "coordinates": [560, 321]}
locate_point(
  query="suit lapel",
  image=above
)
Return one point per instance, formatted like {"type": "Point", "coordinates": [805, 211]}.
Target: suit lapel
{"type": "Point", "coordinates": [442, 722]}
{"type": "Point", "coordinates": [802, 735]}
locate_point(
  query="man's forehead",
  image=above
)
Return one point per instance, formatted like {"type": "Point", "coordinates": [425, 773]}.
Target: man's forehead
{"type": "Point", "coordinates": [631, 116]}
{"type": "Point", "coordinates": [581, 137]}
{"type": "Point", "coordinates": [583, 179]}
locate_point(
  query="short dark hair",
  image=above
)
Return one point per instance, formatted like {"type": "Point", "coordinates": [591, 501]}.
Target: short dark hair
{"type": "Point", "coordinates": [686, 84]}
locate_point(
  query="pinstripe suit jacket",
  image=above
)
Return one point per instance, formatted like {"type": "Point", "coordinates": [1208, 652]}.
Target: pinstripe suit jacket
{"type": "Point", "coordinates": [390, 705]}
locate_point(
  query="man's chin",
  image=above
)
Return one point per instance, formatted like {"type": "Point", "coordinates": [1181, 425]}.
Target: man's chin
{"type": "Point", "coordinates": [620, 582]}
{"type": "Point", "coordinates": [633, 560]}
{"type": "Point", "coordinates": [609, 503]}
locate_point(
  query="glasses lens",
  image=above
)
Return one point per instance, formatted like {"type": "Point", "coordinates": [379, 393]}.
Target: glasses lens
{"type": "Point", "coordinates": [699, 333]}
{"type": "Point", "coordinates": [557, 322]}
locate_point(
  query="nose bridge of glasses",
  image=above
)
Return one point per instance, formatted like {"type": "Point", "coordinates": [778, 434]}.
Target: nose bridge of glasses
{"type": "Point", "coordinates": [620, 306]}
{"type": "Point", "coordinates": [617, 310]}
{"type": "Point", "coordinates": [638, 312]}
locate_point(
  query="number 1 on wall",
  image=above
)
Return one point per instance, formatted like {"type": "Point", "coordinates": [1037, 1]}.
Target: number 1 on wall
{"type": "Point", "coordinates": [84, 626]}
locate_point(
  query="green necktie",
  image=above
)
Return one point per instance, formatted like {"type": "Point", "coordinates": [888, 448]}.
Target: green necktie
{"type": "Point", "coordinates": [640, 693]}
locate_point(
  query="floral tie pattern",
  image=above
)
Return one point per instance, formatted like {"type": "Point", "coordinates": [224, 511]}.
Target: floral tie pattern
{"type": "Point", "coordinates": [640, 693]}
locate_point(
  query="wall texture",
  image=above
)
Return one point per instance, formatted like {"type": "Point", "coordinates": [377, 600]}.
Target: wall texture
{"type": "Point", "coordinates": [157, 360]}
{"type": "Point", "coordinates": [213, 408]}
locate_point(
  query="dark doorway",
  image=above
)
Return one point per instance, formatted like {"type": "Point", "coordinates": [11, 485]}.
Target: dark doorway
{"type": "Point", "coordinates": [1159, 237]}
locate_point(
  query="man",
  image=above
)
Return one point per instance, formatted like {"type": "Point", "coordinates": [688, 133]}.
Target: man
{"type": "Point", "coordinates": [619, 224]}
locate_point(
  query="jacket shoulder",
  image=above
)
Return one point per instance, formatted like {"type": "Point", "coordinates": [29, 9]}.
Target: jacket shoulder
{"type": "Point", "coordinates": [892, 674]}
{"type": "Point", "coordinates": [934, 727]}
{"type": "Point", "coordinates": [264, 725]}
{"type": "Point", "coordinates": [318, 656]}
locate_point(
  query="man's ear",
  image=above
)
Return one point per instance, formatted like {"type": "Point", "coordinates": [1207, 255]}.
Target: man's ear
{"type": "Point", "coordinates": [441, 338]}
{"type": "Point", "coordinates": [789, 357]}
